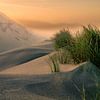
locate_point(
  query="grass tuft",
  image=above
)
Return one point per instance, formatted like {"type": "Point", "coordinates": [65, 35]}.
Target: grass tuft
{"type": "Point", "coordinates": [54, 63]}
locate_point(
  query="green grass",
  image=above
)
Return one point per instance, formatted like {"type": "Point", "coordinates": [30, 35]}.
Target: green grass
{"type": "Point", "coordinates": [64, 56]}
{"type": "Point", "coordinates": [84, 47]}
{"type": "Point", "coordinates": [87, 46]}
{"type": "Point", "coordinates": [62, 39]}
{"type": "Point", "coordinates": [54, 63]}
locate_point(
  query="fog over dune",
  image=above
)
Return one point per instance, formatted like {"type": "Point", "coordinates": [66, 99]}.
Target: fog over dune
{"type": "Point", "coordinates": [13, 35]}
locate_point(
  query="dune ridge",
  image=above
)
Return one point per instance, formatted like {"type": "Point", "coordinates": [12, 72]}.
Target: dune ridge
{"type": "Point", "coordinates": [14, 35]}
{"type": "Point", "coordinates": [20, 56]}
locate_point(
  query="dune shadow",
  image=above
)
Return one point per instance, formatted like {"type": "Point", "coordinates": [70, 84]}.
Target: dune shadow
{"type": "Point", "coordinates": [66, 86]}
{"type": "Point", "coordinates": [20, 56]}
{"type": "Point", "coordinates": [47, 89]}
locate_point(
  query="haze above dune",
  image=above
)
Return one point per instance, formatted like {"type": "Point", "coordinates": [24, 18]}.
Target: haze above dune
{"type": "Point", "coordinates": [13, 35]}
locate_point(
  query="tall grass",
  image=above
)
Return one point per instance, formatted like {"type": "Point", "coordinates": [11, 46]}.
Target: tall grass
{"type": "Point", "coordinates": [62, 43]}
{"type": "Point", "coordinates": [87, 46]}
{"type": "Point", "coordinates": [54, 63]}
{"type": "Point", "coordinates": [84, 47]}
{"type": "Point", "coordinates": [64, 56]}
{"type": "Point", "coordinates": [62, 39]}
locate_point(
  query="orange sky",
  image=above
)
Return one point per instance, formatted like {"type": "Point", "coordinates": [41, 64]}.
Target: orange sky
{"type": "Point", "coordinates": [52, 13]}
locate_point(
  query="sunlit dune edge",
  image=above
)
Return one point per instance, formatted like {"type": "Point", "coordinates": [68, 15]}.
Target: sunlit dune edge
{"type": "Point", "coordinates": [36, 67]}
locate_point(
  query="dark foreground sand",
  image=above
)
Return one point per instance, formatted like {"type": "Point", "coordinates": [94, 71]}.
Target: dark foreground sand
{"type": "Point", "coordinates": [58, 86]}
{"type": "Point", "coordinates": [22, 79]}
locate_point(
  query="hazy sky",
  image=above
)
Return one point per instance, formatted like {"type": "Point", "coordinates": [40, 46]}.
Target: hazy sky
{"type": "Point", "coordinates": [52, 13]}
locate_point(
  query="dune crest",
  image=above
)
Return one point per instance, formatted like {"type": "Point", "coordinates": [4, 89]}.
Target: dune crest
{"type": "Point", "coordinates": [13, 35]}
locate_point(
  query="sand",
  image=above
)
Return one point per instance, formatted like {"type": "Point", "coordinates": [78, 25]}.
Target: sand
{"type": "Point", "coordinates": [29, 61]}
{"type": "Point", "coordinates": [57, 86]}
{"type": "Point", "coordinates": [26, 75]}
{"type": "Point", "coordinates": [20, 56]}
{"type": "Point", "coordinates": [19, 70]}
{"type": "Point", "coordinates": [14, 35]}
{"type": "Point", "coordinates": [36, 67]}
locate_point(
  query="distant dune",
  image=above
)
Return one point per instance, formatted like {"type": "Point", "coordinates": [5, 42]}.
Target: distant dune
{"type": "Point", "coordinates": [13, 35]}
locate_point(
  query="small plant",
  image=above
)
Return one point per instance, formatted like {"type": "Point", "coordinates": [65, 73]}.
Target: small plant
{"type": "Point", "coordinates": [54, 63]}
{"type": "Point", "coordinates": [63, 39]}
{"type": "Point", "coordinates": [64, 56]}
{"type": "Point", "coordinates": [86, 46]}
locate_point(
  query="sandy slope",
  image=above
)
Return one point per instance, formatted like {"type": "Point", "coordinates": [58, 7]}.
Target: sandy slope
{"type": "Point", "coordinates": [13, 35]}
{"type": "Point", "coordinates": [20, 56]}
{"type": "Point", "coordinates": [21, 61]}
{"type": "Point", "coordinates": [57, 86]}
{"type": "Point", "coordinates": [35, 67]}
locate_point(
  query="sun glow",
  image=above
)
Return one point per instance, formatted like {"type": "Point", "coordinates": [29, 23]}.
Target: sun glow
{"type": "Point", "coordinates": [52, 13]}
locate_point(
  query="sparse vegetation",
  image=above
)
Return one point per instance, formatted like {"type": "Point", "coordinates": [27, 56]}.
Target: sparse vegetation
{"type": "Point", "coordinates": [63, 39]}
{"type": "Point", "coordinates": [64, 56]}
{"type": "Point", "coordinates": [54, 63]}
{"type": "Point", "coordinates": [87, 46]}
{"type": "Point", "coordinates": [84, 47]}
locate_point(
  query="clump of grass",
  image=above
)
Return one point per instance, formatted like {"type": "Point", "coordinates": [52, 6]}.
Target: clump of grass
{"type": "Point", "coordinates": [61, 56]}
{"type": "Point", "coordinates": [62, 39]}
{"type": "Point", "coordinates": [54, 63]}
{"type": "Point", "coordinates": [84, 47]}
{"type": "Point", "coordinates": [78, 50]}
{"type": "Point", "coordinates": [62, 43]}
{"type": "Point", "coordinates": [64, 56]}
{"type": "Point", "coordinates": [87, 46]}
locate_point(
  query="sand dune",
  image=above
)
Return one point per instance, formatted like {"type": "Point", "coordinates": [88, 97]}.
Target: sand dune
{"type": "Point", "coordinates": [63, 86]}
{"type": "Point", "coordinates": [35, 67]}
{"type": "Point", "coordinates": [23, 61]}
{"type": "Point", "coordinates": [26, 75]}
{"type": "Point", "coordinates": [57, 86]}
{"type": "Point", "coordinates": [13, 35]}
{"type": "Point", "coordinates": [44, 44]}
{"type": "Point", "coordinates": [20, 56]}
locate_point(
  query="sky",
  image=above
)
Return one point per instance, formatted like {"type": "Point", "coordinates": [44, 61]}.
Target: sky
{"type": "Point", "coordinates": [52, 14]}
